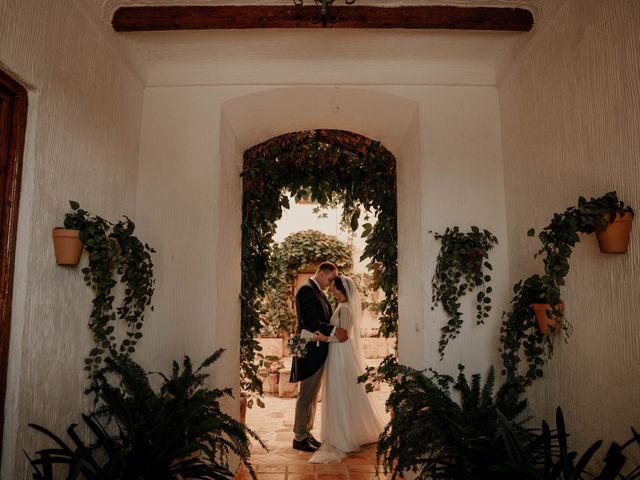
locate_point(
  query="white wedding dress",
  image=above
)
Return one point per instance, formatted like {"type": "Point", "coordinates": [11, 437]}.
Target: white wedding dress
{"type": "Point", "coordinates": [350, 418]}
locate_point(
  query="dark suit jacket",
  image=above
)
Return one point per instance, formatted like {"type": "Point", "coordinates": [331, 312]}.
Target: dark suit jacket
{"type": "Point", "coordinates": [314, 312]}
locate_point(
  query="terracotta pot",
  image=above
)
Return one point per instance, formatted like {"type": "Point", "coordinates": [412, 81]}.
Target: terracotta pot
{"type": "Point", "coordinates": [67, 246]}
{"type": "Point", "coordinates": [544, 322]}
{"type": "Point", "coordinates": [274, 379]}
{"type": "Point", "coordinates": [615, 238]}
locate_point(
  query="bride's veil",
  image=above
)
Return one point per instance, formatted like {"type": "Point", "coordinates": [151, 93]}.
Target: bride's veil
{"type": "Point", "coordinates": [355, 305]}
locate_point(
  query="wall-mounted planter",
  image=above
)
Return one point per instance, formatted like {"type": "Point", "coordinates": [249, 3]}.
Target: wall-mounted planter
{"type": "Point", "coordinates": [67, 246]}
{"type": "Point", "coordinates": [545, 321]}
{"type": "Point", "coordinates": [615, 238]}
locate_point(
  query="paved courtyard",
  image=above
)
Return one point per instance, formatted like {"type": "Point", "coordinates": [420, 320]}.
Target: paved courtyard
{"type": "Point", "coordinates": [274, 424]}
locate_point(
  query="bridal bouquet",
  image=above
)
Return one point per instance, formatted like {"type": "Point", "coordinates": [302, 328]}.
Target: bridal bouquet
{"type": "Point", "coordinates": [298, 345]}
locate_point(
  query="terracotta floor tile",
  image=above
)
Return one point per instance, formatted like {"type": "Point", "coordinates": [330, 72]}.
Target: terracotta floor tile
{"type": "Point", "coordinates": [358, 459]}
{"type": "Point", "coordinates": [331, 468]}
{"type": "Point", "coordinates": [362, 468]}
{"type": "Point", "coordinates": [271, 468]}
{"type": "Point", "coordinates": [274, 424]}
{"type": "Point", "coordinates": [306, 468]}
{"type": "Point", "coordinates": [364, 476]}
{"type": "Point", "coordinates": [293, 459]}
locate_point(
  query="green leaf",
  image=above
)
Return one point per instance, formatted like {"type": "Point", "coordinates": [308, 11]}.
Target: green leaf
{"type": "Point", "coordinates": [354, 220]}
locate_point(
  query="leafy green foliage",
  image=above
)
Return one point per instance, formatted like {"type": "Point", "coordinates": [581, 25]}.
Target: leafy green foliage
{"type": "Point", "coordinates": [460, 269]}
{"type": "Point", "coordinates": [514, 452]}
{"type": "Point", "coordinates": [288, 258]}
{"type": "Point", "coordinates": [113, 247]}
{"type": "Point", "coordinates": [178, 432]}
{"type": "Point", "coordinates": [477, 437]}
{"type": "Point", "coordinates": [518, 331]}
{"type": "Point", "coordinates": [329, 166]}
{"type": "Point", "coordinates": [427, 426]}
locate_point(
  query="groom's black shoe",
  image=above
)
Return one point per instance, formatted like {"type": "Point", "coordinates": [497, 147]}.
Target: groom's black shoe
{"type": "Point", "coordinates": [313, 441]}
{"type": "Point", "coordinates": [304, 445]}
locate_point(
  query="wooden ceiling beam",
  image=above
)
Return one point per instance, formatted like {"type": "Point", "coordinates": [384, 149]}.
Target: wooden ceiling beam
{"type": "Point", "coordinates": [136, 19]}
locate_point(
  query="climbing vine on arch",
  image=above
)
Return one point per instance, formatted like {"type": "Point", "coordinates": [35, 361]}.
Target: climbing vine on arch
{"type": "Point", "coordinates": [330, 166]}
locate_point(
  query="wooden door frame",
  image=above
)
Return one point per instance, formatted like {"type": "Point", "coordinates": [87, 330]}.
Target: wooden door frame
{"type": "Point", "coordinates": [14, 136]}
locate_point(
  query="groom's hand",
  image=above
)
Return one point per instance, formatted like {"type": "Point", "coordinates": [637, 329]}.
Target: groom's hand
{"type": "Point", "coordinates": [341, 334]}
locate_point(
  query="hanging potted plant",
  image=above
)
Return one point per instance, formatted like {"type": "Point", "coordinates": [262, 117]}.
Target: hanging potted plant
{"type": "Point", "coordinates": [549, 317]}
{"type": "Point", "coordinates": [66, 240]}
{"type": "Point", "coordinates": [540, 295]}
{"type": "Point", "coordinates": [460, 268]}
{"type": "Point", "coordinates": [611, 221]}
{"type": "Point", "coordinates": [115, 253]}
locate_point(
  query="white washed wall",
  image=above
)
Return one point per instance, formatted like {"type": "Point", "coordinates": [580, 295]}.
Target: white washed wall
{"type": "Point", "coordinates": [447, 143]}
{"type": "Point", "coordinates": [570, 108]}
{"type": "Point", "coordinates": [82, 144]}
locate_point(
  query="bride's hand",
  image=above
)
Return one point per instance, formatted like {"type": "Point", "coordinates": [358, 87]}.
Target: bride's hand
{"type": "Point", "coordinates": [320, 337]}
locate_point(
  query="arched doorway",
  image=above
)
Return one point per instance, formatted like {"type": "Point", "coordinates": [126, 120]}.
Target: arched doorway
{"type": "Point", "coordinates": [250, 119]}
{"type": "Point", "coordinates": [328, 165]}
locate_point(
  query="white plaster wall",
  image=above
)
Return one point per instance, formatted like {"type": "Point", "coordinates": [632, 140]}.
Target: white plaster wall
{"type": "Point", "coordinates": [82, 144]}
{"type": "Point", "coordinates": [447, 144]}
{"type": "Point", "coordinates": [462, 184]}
{"type": "Point", "coordinates": [570, 111]}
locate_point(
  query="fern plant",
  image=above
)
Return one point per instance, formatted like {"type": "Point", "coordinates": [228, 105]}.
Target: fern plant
{"type": "Point", "coordinates": [178, 430]}
{"type": "Point", "coordinates": [478, 437]}
{"type": "Point", "coordinates": [427, 423]}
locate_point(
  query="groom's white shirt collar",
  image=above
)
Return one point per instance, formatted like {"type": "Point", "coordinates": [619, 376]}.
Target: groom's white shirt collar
{"type": "Point", "coordinates": [317, 284]}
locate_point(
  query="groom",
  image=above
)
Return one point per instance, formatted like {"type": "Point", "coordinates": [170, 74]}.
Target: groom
{"type": "Point", "coordinates": [314, 312]}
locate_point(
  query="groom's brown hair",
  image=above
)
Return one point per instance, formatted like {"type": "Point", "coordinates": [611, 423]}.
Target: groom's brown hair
{"type": "Point", "coordinates": [327, 267]}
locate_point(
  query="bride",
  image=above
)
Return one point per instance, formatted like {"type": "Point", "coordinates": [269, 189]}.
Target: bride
{"type": "Point", "coordinates": [349, 416]}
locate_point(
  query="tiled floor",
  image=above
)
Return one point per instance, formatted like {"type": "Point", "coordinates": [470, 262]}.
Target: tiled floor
{"type": "Point", "coordinates": [274, 424]}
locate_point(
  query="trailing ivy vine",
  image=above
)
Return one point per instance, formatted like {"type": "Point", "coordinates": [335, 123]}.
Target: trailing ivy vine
{"type": "Point", "coordinates": [329, 166]}
{"type": "Point", "coordinates": [460, 269]}
{"type": "Point", "coordinates": [113, 248]}
{"type": "Point", "coordinates": [475, 435]}
{"type": "Point", "coordinates": [518, 332]}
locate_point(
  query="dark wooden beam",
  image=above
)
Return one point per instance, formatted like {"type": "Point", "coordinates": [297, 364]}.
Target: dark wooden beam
{"type": "Point", "coordinates": [136, 19]}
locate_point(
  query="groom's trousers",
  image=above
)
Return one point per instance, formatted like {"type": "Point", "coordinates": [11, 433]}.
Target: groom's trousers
{"type": "Point", "coordinates": [306, 405]}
